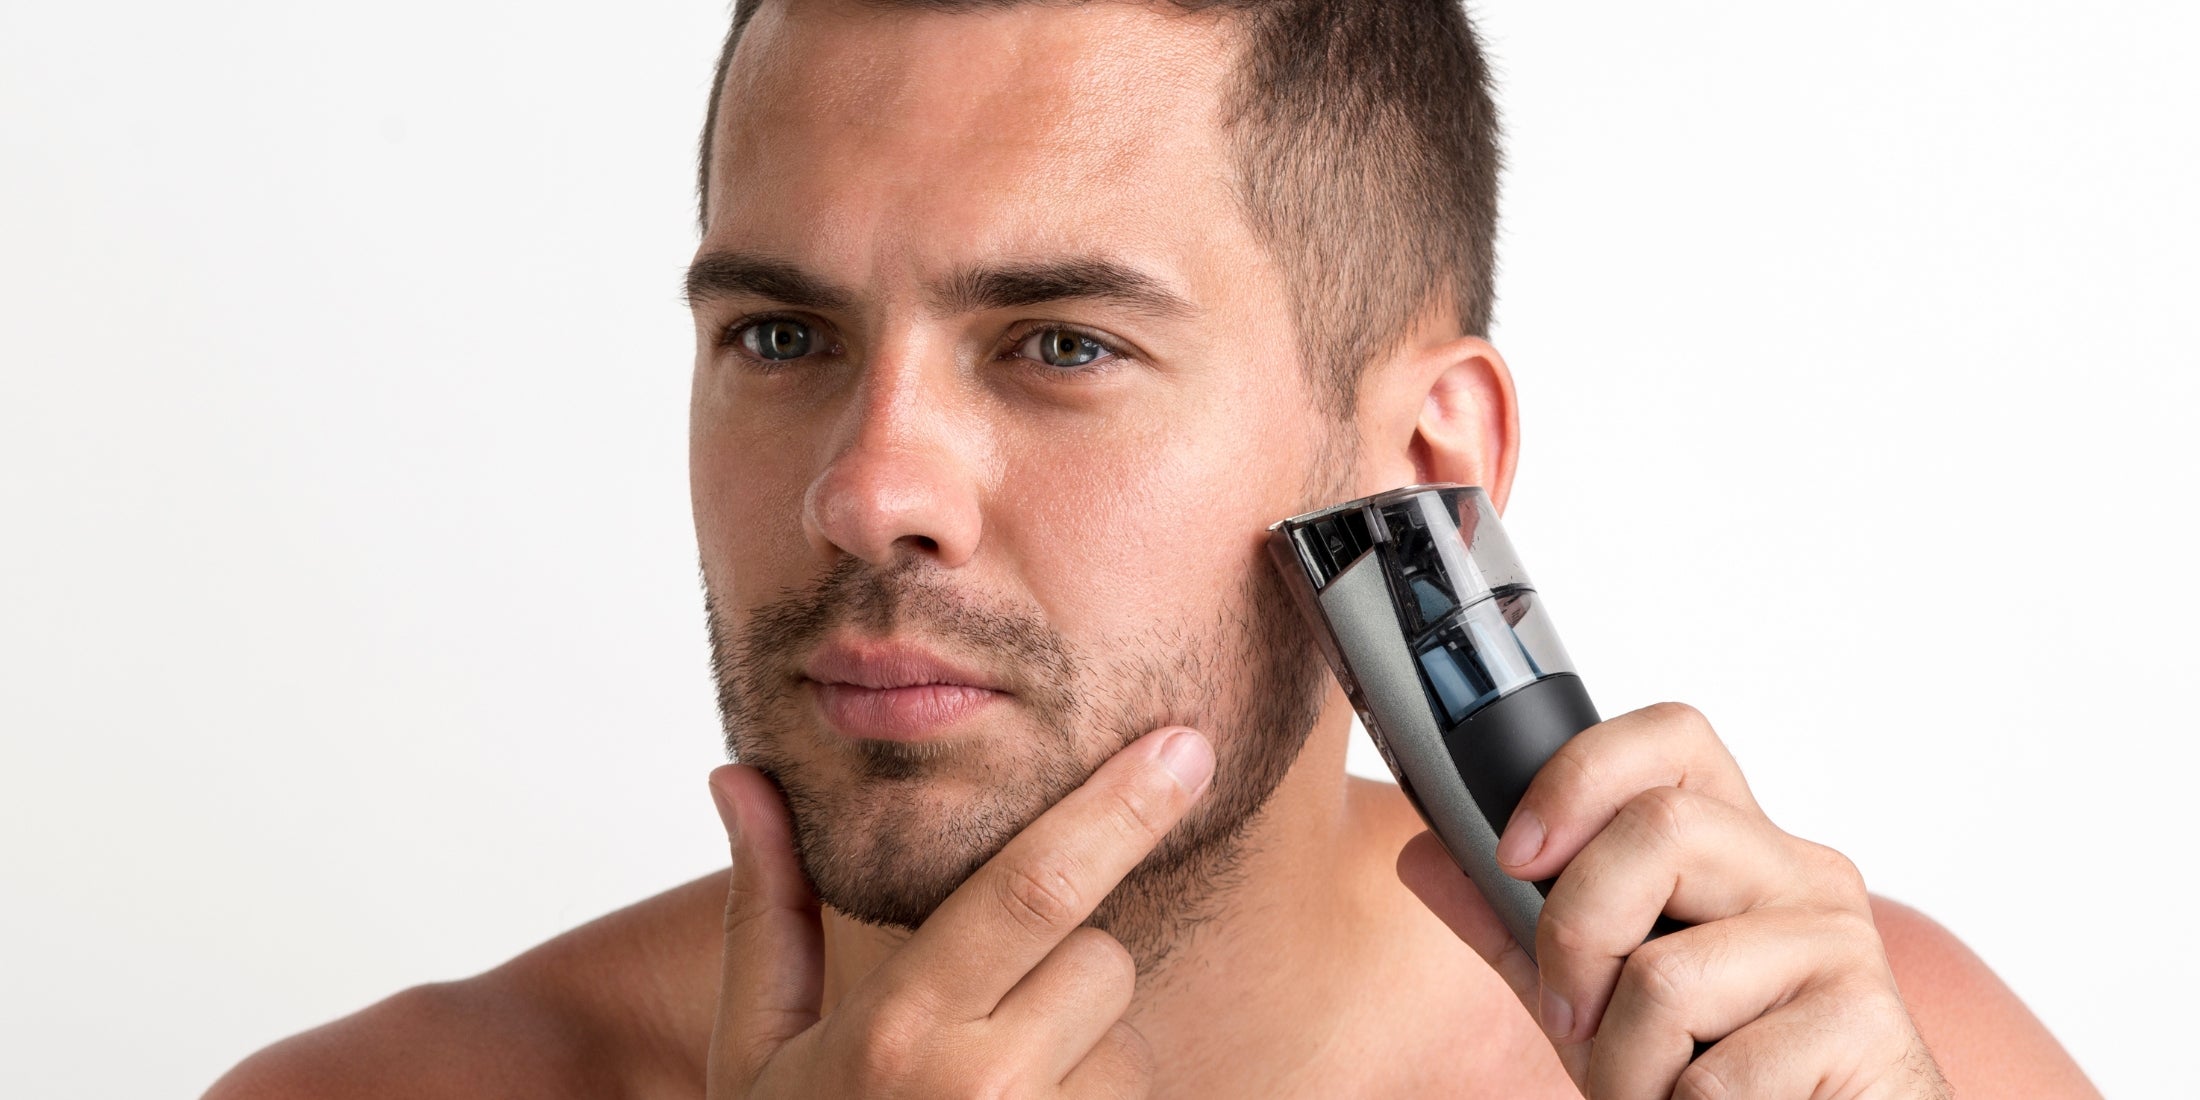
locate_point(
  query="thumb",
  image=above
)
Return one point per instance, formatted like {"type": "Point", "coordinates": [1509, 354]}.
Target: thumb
{"type": "Point", "coordinates": [773, 974]}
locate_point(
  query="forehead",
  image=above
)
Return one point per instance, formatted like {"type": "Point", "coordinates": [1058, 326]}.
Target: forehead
{"type": "Point", "coordinates": [865, 138]}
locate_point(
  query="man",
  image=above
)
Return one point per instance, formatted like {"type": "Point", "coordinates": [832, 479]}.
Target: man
{"type": "Point", "coordinates": [1017, 324]}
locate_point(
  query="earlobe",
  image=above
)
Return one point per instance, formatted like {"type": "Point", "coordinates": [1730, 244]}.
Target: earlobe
{"type": "Point", "coordinates": [1469, 425]}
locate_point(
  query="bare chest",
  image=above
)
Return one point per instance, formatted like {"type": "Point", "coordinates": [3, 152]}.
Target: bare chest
{"type": "Point", "coordinates": [1457, 1066]}
{"type": "Point", "coordinates": [1415, 1058]}
{"type": "Point", "coordinates": [1454, 1040]}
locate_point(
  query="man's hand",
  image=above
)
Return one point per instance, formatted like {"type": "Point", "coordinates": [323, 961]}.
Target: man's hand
{"type": "Point", "coordinates": [1646, 813]}
{"type": "Point", "coordinates": [1002, 991]}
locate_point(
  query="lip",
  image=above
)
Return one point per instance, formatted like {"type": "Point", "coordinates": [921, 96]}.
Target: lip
{"type": "Point", "coordinates": [895, 692]}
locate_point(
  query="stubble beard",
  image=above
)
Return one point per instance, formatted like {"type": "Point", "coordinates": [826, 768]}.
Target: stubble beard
{"type": "Point", "coordinates": [883, 849]}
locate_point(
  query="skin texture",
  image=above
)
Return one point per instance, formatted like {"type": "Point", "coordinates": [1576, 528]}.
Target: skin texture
{"type": "Point", "coordinates": [1343, 956]}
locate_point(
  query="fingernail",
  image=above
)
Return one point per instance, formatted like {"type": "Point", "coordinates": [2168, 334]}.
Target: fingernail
{"type": "Point", "coordinates": [1522, 840]}
{"type": "Point", "coordinates": [726, 812]}
{"type": "Point", "coordinates": [1557, 1015]}
{"type": "Point", "coordinates": [1187, 756]}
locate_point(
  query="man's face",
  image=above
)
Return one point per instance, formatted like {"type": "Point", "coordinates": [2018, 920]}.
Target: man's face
{"type": "Point", "coordinates": [990, 369]}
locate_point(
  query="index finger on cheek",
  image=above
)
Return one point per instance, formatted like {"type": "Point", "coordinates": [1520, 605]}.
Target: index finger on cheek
{"type": "Point", "coordinates": [1582, 787]}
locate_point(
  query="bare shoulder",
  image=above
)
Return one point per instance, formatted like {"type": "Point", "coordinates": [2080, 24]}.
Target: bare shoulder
{"type": "Point", "coordinates": [618, 1007]}
{"type": "Point", "coordinates": [1985, 1039]}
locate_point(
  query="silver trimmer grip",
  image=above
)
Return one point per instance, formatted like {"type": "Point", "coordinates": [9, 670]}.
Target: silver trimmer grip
{"type": "Point", "coordinates": [1443, 646]}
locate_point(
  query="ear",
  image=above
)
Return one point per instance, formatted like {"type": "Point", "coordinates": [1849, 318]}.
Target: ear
{"type": "Point", "coordinates": [1444, 412]}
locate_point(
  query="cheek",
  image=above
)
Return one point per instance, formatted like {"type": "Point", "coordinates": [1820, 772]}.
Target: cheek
{"type": "Point", "coordinates": [747, 498]}
{"type": "Point", "coordinates": [1115, 532]}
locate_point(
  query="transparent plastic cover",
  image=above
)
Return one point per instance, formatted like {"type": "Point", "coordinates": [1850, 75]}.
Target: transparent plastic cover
{"type": "Point", "coordinates": [1465, 606]}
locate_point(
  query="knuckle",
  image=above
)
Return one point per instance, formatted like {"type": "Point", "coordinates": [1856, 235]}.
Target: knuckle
{"type": "Point", "coordinates": [1681, 716]}
{"type": "Point", "coordinates": [998, 1081]}
{"type": "Point", "coordinates": [888, 1044]}
{"type": "Point", "coordinates": [1866, 1010]}
{"type": "Point", "coordinates": [1561, 932]}
{"type": "Point", "coordinates": [1663, 814]}
{"type": "Point", "coordinates": [1041, 896]}
{"type": "Point", "coordinates": [1878, 1002]}
{"type": "Point", "coordinates": [1836, 873]}
{"type": "Point", "coordinates": [1661, 977]}
{"type": "Point", "coordinates": [1569, 776]}
{"type": "Point", "coordinates": [1858, 937]}
{"type": "Point", "coordinates": [1703, 1081]}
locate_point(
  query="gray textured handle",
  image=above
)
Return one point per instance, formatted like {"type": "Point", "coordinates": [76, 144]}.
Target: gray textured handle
{"type": "Point", "coordinates": [1357, 605]}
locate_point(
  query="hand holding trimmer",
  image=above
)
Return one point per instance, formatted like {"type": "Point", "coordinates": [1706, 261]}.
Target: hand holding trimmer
{"type": "Point", "coordinates": [1443, 645]}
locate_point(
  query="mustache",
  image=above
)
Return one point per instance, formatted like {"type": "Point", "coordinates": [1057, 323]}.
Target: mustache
{"type": "Point", "coordinates": [759, 663]}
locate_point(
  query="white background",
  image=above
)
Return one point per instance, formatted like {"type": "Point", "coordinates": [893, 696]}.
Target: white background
{"type": "Point", "coordinates": [349, 628]}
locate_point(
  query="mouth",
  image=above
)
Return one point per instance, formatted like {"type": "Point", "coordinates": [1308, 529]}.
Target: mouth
{"type": "Point", "coordinates": [891, 691]}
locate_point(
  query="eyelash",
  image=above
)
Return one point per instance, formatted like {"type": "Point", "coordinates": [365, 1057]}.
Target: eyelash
{"type": "Point", "coordinates": [730, 337]}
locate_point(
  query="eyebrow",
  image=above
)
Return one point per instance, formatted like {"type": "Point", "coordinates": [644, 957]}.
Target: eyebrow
{"type": "Point", "coordinates": [1028, 284]}
{"type": "Point", "coordinates": [716, 275]}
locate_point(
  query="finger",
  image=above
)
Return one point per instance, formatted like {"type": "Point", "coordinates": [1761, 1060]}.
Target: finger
{"type": "Point", "coordinates": [1120, 1066]}
{"type": "Point", "coordinates": [1012, 911]}
{"type": "Point", "coordinates": [1710, 982]}
{"type": "Point", "coordinates": [1066, 1005]}
{"type": "Point", "coordinates": [1583, 784]}
{"type": "Point", "coordinates": [1811, 1047]}
{"type": "Point", "coordinates": [772, 977]}
{"type": "Point", "coordinates": [1429, 871]}
{"type": "Point", "coordinates": [1668, 851]}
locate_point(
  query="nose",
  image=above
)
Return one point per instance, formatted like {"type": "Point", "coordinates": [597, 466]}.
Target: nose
{"type": "Point", "coordinates": [905, 480]}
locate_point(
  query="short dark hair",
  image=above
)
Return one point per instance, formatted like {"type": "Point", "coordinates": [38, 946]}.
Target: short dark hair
{"type": "Point", "coordinates": [1366, 147]}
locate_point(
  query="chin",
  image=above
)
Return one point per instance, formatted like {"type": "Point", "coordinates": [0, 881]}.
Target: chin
{"type": "Point", "coordinates": [890, 851]}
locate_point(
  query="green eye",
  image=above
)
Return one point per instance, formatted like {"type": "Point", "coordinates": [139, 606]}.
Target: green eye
{"type": "Point", "coordinates": [777, 339]}
{"type": "Point", "coordinates": [1060, 347]}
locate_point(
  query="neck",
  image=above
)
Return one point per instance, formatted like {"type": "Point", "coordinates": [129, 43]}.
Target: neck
{"type": "Point", "coordinates": [1262, 982]}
